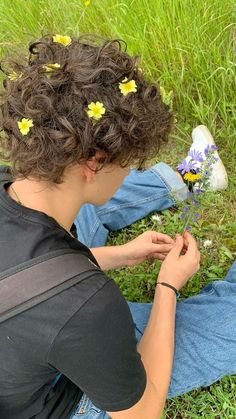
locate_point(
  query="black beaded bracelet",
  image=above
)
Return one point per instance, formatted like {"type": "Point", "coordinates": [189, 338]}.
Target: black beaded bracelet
{"type": "Point", "coordinates": [170, 286]}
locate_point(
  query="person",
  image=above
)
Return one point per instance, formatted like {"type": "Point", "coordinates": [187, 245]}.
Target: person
{"type": "Point", "coordinates": [76, 117]}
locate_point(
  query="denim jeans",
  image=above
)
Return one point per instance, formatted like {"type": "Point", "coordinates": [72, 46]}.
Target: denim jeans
{"type": "Point", "coordinates": [205, 333]}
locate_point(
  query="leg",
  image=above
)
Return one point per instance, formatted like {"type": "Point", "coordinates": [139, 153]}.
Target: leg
{"type": "Point", "coordinates": [154, 189]}
{"type": "Point", "coordinates": [205, 335]}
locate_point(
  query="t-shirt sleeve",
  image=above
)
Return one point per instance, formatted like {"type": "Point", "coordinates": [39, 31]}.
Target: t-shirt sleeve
{"type": "Point", "coordinates": [96, 350]}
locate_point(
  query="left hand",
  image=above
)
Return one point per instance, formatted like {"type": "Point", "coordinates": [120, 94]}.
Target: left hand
{"type": "Point", "coordinates": [148, 245]}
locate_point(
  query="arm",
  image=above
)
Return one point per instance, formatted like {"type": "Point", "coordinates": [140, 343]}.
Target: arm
{"type": "Point", "coordinates": [157, 358]}
{"type": "Point", "coordinates": [109, 257]}
{"type": "Point", "coordinates": [147, 245]}
{"type": "Point", "coordinates": [157, 344]}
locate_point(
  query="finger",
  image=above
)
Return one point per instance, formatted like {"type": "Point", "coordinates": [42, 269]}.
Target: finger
{"type": "Point", "coordinates": [185, 242]}
{"type": "Point", "coordinates": [161, 248]}
{"type": "Point", "coordinates": [159, 256]}
{"type": "Point", "coordinates": [192, 248]}
{"type": "Point", "coordinates": [178, 246]}
{"type": "Point", "coordinates": [161, 237]}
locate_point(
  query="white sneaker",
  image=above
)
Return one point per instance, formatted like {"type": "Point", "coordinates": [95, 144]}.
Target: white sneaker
{"type": "Point", "coordinates": [201, 139]}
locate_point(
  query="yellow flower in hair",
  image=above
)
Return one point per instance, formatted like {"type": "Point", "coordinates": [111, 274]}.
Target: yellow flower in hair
{"type": "Point", "coordinates": [24, 125]}
{"type": "Point", "coordinates": [65, 40]}
{"type": "Point", "coordinates": [49, 68]}
{"type": "Point", "coordinates": [127, 86]}
{"type": "Point", "coordinates": [14, 76]}
{"type": "Point", "coordinates": [192, 177]}
{"type": "Point", "coordinates": [87, 2]}
{"type": "Point", "coordinates": [96, 110]}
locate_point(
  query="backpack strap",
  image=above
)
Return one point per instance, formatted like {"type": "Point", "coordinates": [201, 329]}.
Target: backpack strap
{"type": "Point", "coordinates": [39, 279]}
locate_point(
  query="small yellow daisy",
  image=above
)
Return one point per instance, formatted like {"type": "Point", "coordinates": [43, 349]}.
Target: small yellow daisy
{"type": "Point", "coordinates": [65, 40]}
{"type": "Point", "coordinates": [14, 76]}
{"type": "Point", "coordinates": [192, 177]}
{"type": "Point", "coordinates": [24, 125]}
{"type": "Point", "coordinates": [49, 68]}
{"type": "Point", "coordinates": [87, 2]}
{"type": "Point", "coordinates": [127, 86]}
{"type": "Point", "coordinates": [167, 97]}
{"type": "Point", "coordinates": [96, 110]}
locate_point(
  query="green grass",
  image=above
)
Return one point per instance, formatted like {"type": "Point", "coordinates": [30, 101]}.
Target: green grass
{"type": "Point", "coordinates": [189, 46]}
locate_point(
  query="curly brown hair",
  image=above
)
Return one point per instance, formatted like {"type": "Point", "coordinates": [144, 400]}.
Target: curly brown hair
{"type": "Point", "coordinates": [91, 68]}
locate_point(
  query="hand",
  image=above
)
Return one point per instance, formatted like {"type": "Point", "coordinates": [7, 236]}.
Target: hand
{"type": "Point", "coordinates": [147, 246]}
{"type": "Point", "coordinates": [177, 268]}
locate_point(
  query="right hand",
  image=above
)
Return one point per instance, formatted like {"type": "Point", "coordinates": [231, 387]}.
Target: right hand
{"type": "Point", "coordinates": [176, 268]}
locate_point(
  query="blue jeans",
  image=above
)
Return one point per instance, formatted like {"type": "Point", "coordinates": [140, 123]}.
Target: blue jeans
{"type": "Point", "coordinates": [205, 334]}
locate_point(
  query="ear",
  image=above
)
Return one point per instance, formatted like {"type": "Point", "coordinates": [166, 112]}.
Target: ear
{"type": "Point", "coordinates": [89, 169]}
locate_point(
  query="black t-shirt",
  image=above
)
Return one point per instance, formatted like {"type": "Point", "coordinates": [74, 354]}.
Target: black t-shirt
{"type": "Point", "coordinates": [86, 332]}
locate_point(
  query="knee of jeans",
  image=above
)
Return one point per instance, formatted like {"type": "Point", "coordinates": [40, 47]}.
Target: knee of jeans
{"type": "Point", "coordinates": [231, 274]}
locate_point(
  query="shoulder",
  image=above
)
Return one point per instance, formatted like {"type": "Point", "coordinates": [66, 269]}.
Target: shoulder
{"type": "Point", "coordinates": [99, 308]}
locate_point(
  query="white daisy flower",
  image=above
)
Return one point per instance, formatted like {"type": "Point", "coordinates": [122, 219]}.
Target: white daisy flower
{"type": "Point", "coordinates": [207, 243]}
{"type": "Point", "coordinates": [157, 218]}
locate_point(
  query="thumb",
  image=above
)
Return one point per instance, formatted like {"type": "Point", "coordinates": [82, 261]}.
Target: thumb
{"type": "Point", "coordinates": [178, 246]}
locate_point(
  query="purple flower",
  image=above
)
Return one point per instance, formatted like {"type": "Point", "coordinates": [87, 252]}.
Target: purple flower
{"type": "Point", "coordinates": [196, 215]}
{"type": "Point", "coordinates": [209, 148]}
{"type": "Point", "coordinates": [186, 209]}
{"type": "Point", "coordinates": [187, 228]}
{"type": "Point", "coordinates": [214, 147]}
{"type": "Point", "coordinates": [198, 191]}
{"type": "Point", "coordinates": [185, 166]}
{"type": "Point", "coordinates": [196, 155]}
{"type": "Point", "coordinates": [206, 151]}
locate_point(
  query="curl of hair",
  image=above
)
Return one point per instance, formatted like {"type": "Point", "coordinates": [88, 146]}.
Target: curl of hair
{"type": "Point", "coordinates": [130, 132]}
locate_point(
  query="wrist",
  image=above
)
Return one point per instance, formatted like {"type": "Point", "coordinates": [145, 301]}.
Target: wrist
{"type": "Point", "coordinates": [165, 294]}
{"type": "Point", "coordinates": [121, 255]}
{"type": "Point", "coordinates": [168, 286]}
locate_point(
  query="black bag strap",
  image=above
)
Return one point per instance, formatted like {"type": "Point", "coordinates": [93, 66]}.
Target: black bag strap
{"type": "Point", "coordinates": [39, 279]}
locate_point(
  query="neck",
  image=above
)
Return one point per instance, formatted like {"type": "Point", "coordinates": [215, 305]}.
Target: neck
{"type": "Point", "coordinates": [61, 202]}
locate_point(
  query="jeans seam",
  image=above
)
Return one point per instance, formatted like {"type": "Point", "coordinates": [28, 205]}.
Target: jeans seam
{"type": "Point", "coordinates": [93, 231]}
{"type": "Point", "coordinates": [83, 404]}
{"type": "Point", "coordinates": [140, 201]}
{"type": "Point", "coordinates": [157, 173]}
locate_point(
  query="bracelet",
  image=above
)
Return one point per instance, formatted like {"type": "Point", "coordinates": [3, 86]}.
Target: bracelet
{"type": "Point", "coordinates": [170, 286]}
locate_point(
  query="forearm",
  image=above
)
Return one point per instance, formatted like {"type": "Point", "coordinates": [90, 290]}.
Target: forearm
{"type": "Point", "coordinates": [157, 344]}
{"type": "Point", "coordinates": [109, 257]}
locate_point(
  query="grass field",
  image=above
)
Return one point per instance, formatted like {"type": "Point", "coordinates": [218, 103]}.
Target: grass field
{"type": "Point", "coordinates": [189, 46]}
